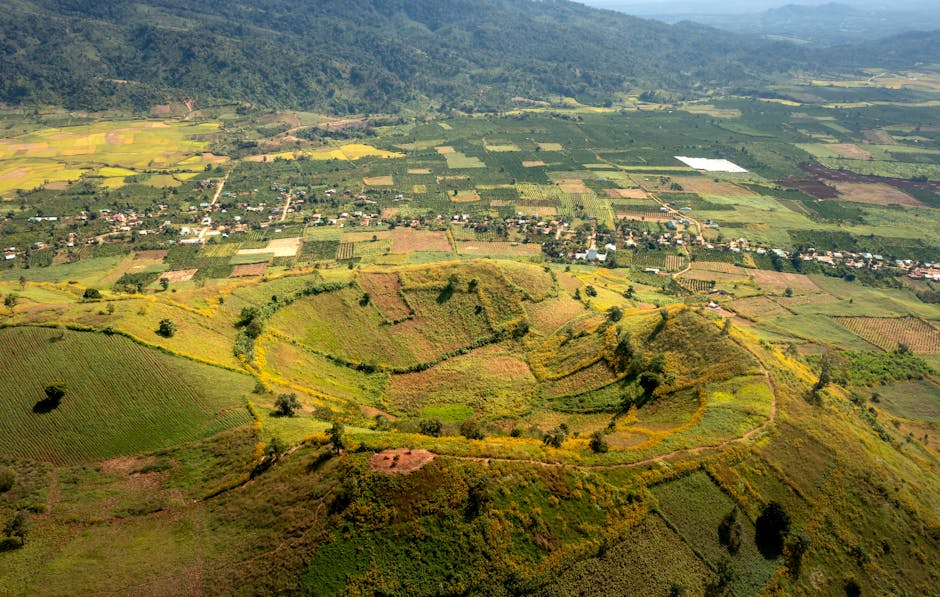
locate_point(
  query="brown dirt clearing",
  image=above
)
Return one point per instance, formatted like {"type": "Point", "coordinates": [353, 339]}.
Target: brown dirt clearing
{"type": "Point", "coordinates": [399, 461]}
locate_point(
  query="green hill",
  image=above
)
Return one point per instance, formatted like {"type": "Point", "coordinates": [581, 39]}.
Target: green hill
{"type": "Point", "coordinates": [358, 56]}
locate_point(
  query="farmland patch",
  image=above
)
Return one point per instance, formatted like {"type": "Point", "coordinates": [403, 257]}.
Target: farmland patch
{"type": "Point", "coordinates": [889, 332]}
{"type": "Point", "coordinates": [121, 398]}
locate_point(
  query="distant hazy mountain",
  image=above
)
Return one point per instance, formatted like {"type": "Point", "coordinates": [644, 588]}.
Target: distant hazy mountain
{"type": "Point", "coordinates": [822, 24]}
{"type": "Point", "coordinates": [368, 55]}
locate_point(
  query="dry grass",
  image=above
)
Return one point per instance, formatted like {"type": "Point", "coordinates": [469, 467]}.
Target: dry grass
{"type": "Point", "coordinates": [780, 281]}
{"type": "Point", "coordinates": [249, 270]}
{"type": "Point", "coordinates": [181, 275]}
{"type": "Point", "coordinates": [626, 193]}
{"type": "Point", "coordinates": [499, 248]}
{"type": "Point", "coordinates": [851, 151]}
{"type": "Point", "coordinates": [875, 194]}
{"type": "Point", "coordinates": [378, 181]}
{"type": "Point", "coordinates": [405, 241]}
{"type": "Point", "coordinates": [533, 164]}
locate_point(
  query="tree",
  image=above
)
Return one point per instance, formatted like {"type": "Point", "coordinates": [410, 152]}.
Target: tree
{"type": "Point", "coordinates": [630, 292]}
{"type": "Point", "coordinates": [825, 373]}
{"type": "Point", "coordinates": [336, 437]}
{"type": "Point", "coordinates": [55, 392]}
{"type": "Point", "coordinates": [365, 299]}
{"type": "Point", "coordinates": [471, 429]}
{"type": "Point", "coordinates": [9, 301]}
{"type": "Point", "coordinates": [726, 326]}
{"type": "Point", "coordinates": [91, 294]}
{"type": "Point", "coordinates": [433, 427]}
{"type": "Point", "coordinates": [615, 314]}
{"type": "Point", "coordinates": [729, 531]}
{"type": "Point", "coordinates": [167, 328]}
{"type": "Point", "coordinates": [164, 283]}
{"type": "Point", "coordinates": [286, 405]}
{"type": "Point", "coordinates": [598, 443]}
{"type": "Point", "coordinates": [590, 290]}
{"type": "Point", "coordinates": [771, 529]}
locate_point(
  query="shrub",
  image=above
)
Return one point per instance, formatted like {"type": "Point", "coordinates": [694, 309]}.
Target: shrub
{"type": "Point", "coordinates": [729, 532]}
{"type": "Point", "coordinates": [471, 429]}
{"type": "Point", "coordinates": [7, 479]}
{"type": "Point", "coordinates": [167, 328]}
{"type": "Point", "coordinates": [92, 293]}
{"type": "Point", "coordinates": [555, 437]}
{"type": "Point", "coordinates": [433, 427]}
{"type": "Point", "coordinates": [598, 443]}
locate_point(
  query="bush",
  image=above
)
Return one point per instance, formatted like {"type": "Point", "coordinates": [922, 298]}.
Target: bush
{"type": "Point", "coordinates": [729, 532]}
{"type": "Point", "coordinates": [167, 328]}
{"type": "Point", "coordinates": [598, 443]}
{"type": "Point", "coordinates": [433, 427]}
{"type": "Point", "coordinates": [471, 429]}
{"type": "Point", "coordinates": [555, 437]}
{"type": "Point", "coordinates": [92, 293]}
{"type": "Point", "coordinates": [7, 479]}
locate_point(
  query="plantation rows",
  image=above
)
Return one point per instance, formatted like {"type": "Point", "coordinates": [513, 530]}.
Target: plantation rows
{"type": "Point", "coordinates": [121, 398]}
{"type": "Point", "coordinates": [889, 332]}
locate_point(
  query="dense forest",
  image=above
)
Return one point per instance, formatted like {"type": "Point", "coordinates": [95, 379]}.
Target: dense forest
{"type": "Point", "coordinates": [370, 55]}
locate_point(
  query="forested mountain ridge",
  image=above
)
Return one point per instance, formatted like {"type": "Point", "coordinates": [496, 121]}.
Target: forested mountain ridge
{"type": "Point", "coordinates": [369, 55]}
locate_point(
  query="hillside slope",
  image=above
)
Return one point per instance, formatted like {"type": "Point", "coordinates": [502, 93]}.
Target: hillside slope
{"type": "Point", "coordinates": [348, 57]}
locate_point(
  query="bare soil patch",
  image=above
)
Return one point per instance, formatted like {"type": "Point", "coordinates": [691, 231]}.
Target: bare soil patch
{"type": "Point", "coordinates": [626, 193]}
{"type": "Point", "coordinates": [850, 150]}
{"type": "Point", "coordinates": [405, 241]}
{"type": "Point", "coordinates": [704, 185]}
{"type": "Point", "coordinates": [810, 186]}
{"type": "Point", "coordinates": [378, 181]}
{"type": "Point", "coordinates": [470, 196]}
{"type": "Point", "coordinates": [533, 164]}
{"type": "Point", "coordinates": [399, 461]}
{"type": "Point", "coordinates": [780, 281]}
{"type": "Point", "coordinates": [383, 291]}
{"type": "Point", "coordinates": [181, 275]}
{"type": "Point", "coordinates": [573, 185]}
{"type": "Point", "coordinates": [875, 194]}
{"type": "Point", "coordinates": [151, 255]}
{"type": "Point", "coordinates": [419, 171]}
{"type": "Point", "coordinates": [249, 270]}
{"type": "Point", "coordinates": [847, 176]}
{"type": "Point", "coordinates": [445, 149]}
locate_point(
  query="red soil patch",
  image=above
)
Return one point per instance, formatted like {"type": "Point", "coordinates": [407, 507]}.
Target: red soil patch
{"type": "Point", "coordinates": [399, 461]}
{"type": "Point", "coordinates": [248, 270]}
{"type": "Point", "coordinates": [383, 289]}
{"type": "Point", "coordinates": [810, 186]}
{"type": "Point", "coordinates": [846, 176]}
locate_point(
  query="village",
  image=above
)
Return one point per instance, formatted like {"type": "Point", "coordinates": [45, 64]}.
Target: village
{"type": "Point", "coordinates": [227, 216]}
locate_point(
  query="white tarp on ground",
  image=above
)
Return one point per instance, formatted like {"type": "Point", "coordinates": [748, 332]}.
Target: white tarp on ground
{"type": "Point", "coordinates": [710, 165]}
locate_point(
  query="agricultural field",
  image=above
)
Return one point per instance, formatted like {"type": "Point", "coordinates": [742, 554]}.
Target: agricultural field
{"type": "Point", "coordinates": [889, 333]}
{"type": "Point", "coordinates": [121, 398]}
